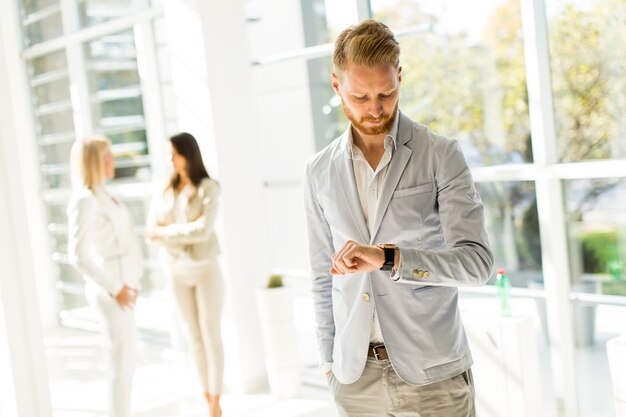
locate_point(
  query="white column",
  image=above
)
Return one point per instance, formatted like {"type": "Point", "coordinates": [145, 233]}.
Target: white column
{"type": "Point", "coordinates": [24, 259]}
{"type": "Point", "coordinates": [17, 127]}
{"type": "Point", "coordinates": [556, 269]}
{"type": "Point", "coordinates": [152, 96]}
{"type": "Point", "coordinates": [79, 86]}
{"type": "Point", "coordinates": [212, 83]}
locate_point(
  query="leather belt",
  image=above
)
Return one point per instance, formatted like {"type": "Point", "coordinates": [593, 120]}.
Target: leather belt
{"type": "Point", "coordinates": [377, 352]}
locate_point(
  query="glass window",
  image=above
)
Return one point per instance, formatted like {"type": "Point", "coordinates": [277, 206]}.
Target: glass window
{"type": "Point", "coordinates": [52, 92]}
{"type": "Point", "coordinates": [32, 6]}
{"type": "Point", "coordinates": [56, 153]}
{"type": "Point", "coordinates": [41, 20]}
{"type": "Point", "coordinates": [464, 74]}
{"type": "Point", "coordinates": [60, 122]}
{"type": "Point", "coordinates": [47, 64]}
{"type": "Point", "coordinates": [513, 228]}
{"type": "Point", "coordinates": [596, 223]}
{"type": "Point", "coordinates": [54, 118]}
{"type": "Point", "coordinates": [329, 120]}
{"type": "Point", "coordinates": [588, 61]}
{"type": "Point", "coordinates": [116, 102]}
{"type": "Point", "coordinates": [93, 12]}
{"type": "Point", "coordinates": [295, 25]}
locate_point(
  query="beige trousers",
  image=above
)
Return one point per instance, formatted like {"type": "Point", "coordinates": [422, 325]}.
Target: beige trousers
{"type": "Point", "coordinates": [200, 302]}
{"type": "Point", "coordinates": [119, 335]}
{"type": "Point", "coordinates": [380, 392]}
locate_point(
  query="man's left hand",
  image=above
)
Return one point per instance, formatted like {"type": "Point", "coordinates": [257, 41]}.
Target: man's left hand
{"type": "Point", "coordinates": [356, 257]}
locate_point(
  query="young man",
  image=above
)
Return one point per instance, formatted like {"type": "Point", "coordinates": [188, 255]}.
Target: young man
{"type": "Point", "coordinates": [395, 226]}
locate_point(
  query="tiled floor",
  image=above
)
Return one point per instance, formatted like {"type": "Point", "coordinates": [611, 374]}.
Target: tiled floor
{"type": "Point", "coordinates": [164, 385]}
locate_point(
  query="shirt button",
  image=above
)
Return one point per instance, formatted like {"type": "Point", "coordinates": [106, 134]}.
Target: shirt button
{"type": "Point", "coordinates": [426, 274]}
{"type": "Point", "coordinates": [365, 297]}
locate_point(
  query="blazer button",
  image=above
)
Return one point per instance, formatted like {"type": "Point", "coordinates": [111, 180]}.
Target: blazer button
{"type": "Point", "coordinates": [365, 297]}
{"type": "Point", "coordinates": [417, 273]}
{"type": "Point", "coordinates": [426, 274]}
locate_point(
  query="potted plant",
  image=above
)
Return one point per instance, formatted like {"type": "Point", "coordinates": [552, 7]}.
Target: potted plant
{"type": "Point", "coordinates": [280, 342]}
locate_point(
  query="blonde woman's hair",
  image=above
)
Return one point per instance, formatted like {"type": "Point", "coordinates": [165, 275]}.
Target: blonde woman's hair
{"type": "Point", "coordinates": [88, 161]}
{"type": "Point", "coordinates": [370, 43]}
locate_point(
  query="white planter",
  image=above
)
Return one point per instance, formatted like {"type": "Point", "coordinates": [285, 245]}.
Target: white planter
{"type": "Point", "coordinates": [280, 340]}
{"type": "Point", "coordinates": [616, 352]}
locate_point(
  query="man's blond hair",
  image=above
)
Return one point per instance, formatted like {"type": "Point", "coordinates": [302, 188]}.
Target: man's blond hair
{"type": "Point", "coordinates": [88, 161]}
{"type": "Point", "coordinates": [370, 43]}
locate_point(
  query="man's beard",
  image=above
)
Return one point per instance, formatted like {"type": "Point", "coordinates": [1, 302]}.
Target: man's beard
{"type": "Point", "coordinates": [383, 127]}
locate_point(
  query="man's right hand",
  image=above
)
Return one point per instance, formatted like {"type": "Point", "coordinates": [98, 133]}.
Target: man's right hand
{"type": "Point", "coordinates": [126, 297]}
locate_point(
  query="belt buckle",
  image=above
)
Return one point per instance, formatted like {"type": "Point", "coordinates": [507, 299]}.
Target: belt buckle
{"type": "Point", "coordinates": [376, 355]}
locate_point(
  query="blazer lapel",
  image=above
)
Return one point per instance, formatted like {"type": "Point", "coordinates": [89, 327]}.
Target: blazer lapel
{"type": "Point", "coordinates": [398, 162]}
{"type": "Point", "coordinates": [343, 168]}
{"type": "Point", "coordinates": [107, 206]}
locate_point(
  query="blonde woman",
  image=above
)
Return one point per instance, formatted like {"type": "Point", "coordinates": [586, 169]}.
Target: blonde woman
{"type": "Point", "coordinates": [182, 219]}
{"type": "Point", "coordinates": [103, 247]}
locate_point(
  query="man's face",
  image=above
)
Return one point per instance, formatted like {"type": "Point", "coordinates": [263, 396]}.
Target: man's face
{"type": "Point", "coordinates": [369, 96]}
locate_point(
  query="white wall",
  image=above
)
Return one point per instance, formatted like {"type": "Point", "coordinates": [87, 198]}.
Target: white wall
{"type": "Point", "coordinates": [212, 86]}
{"type": "Point", "coordinates": [282, 97]}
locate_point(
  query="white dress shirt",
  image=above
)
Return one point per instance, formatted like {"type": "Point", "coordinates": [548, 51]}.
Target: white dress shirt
{"type": "Point", "coordinates": [369, 183]}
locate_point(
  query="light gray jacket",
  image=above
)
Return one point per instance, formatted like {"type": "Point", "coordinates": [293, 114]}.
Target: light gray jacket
{"type": "Point", "coordinates": [430, 209]}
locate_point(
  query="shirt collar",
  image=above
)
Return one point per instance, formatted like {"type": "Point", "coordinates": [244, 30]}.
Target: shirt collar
{"type": "Point", "coordinates": [390, 140]}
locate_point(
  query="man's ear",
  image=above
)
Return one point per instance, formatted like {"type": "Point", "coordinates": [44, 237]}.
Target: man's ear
{"type": "Point", "coordinates": [399, 74]}
{"type": "Point", "coordinates": [335, 82]}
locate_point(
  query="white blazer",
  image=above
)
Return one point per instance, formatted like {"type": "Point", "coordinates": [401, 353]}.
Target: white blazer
{"type": "Point", "coordinates": [102, 242]}
{"type": "Point", "coordinates": [428, 207]}
{"type": "Point", "coordinates": [188, 226]}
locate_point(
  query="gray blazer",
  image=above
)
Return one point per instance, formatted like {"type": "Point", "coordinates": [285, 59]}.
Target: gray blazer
{"type": "Point", "coordinates": [430, 209]}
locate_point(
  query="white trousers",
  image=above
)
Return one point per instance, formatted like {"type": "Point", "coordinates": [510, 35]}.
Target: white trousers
{"type": "Point", "coordinates": [199, 302]}
{"type": "Point", "coordinates": [119, 334]}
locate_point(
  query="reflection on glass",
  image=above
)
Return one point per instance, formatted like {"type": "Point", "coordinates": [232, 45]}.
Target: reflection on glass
{"type": "Point", "coordinates": [513, 228]}
{"type": "Point", "coordinates": [57, 153]}
{"type": "Point", "coordinates": [32, 6]}
{"type": "Point", "coordinates": [45, 64]}
{"type": "Point", "coordinates": [54, 91]}
{"type": "Point", "coordinates": [54, 117]}
{"type": "Point", "coordinates": [44, 29]}
{"type": "Point", "coordinates": [464, 75]}
{"type": "Point", "coordinates": [93, 12]}
{"type": "Point", "coordinates": [57, 180]}
{"type": "Point", "coordinates": [56, 123]}
{"type": "Point", "coordinates": [596, 220]}
{"type": "Point", "coordinates": [117, 106]}
{"type": "Point", "coordinates": [328, 118]}
{"type": "Point", "coordinates": [588, 53]}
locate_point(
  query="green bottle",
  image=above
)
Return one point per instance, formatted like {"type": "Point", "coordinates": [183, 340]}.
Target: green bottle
{"type": "Point", "coordinates": [503, 286]}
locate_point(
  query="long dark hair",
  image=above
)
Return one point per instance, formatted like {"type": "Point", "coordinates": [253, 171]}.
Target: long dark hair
{"type": "Point", "coordinates": [187, 146]}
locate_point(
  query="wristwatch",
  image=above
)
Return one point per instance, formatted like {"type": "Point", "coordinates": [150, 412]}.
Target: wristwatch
{"type": "Point", "coordinates": [390, 256]}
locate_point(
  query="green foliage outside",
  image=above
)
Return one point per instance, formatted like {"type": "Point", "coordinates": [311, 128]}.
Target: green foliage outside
{"type": "Point", "coordinates": [600, 252]}
{"type": "Point", "coordinates": [475, 91]}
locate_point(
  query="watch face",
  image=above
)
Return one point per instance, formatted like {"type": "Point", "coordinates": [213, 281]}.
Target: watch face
{"type": "Point", "coordinates": [390, 254]}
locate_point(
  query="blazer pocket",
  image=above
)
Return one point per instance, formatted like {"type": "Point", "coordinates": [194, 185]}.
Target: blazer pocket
{"type": "Point", "coordinates": [423, 288]}
{"type": "Point", "coordinates": [419, 189]}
